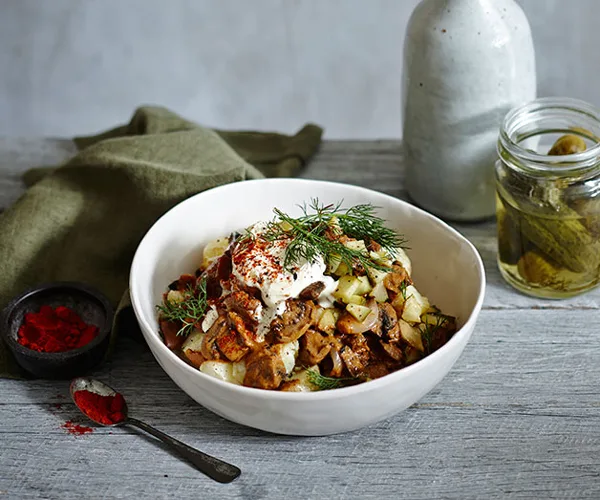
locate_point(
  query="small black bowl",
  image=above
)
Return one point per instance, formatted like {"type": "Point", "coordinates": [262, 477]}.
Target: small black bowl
{"type": "Point", "coordinates": [93, 307]}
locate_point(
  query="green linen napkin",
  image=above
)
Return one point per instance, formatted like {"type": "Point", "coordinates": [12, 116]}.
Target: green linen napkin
{"type": "Point", "coordinates": [83, 220]}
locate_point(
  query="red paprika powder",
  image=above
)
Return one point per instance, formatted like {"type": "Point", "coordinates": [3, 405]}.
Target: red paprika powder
{"type": "Point", "coordinates": [55, 330]}
{"type": "Point", "coordinates": [107, 410]}
{"type": "Point", "coordinates": [77, 429]}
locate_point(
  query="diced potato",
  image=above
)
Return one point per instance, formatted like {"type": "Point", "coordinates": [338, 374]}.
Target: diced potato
{"type": "Point", "coordinates": [223, 370]}
{"type": "Point", "coordinates": [300, 381]}
{"type": "Point", "coordinates": [238, 371]}
{"type": "Point", "coordinates": [430, 318]}
{"type": "Point", "coordinates": [412, 355]}
{"type": "Point", "coordinates": [403, 258]}
{"type": "Point", "coordinates": [364, 287]}
{"type": "Point", "coordinates": [398, 304]}
{"type": "Point", "coordinates": [191, 348]}
{"type": "Point", "coordinates": [376, 275]}
{"type": "Point", "coordinates": [358, 311]}
{"type": "Point", "coordinates": [343, 270]}
{"type": "Point", "coordinates": [328, 320]}
{"type": "Point", "coordinates": [381, 257]}
{"type": "Point", "coordinates": [333, 262]}
{"type": "Point", "coordinates": [357, 299]}
{"type": "Point", "coordinates": [213, 250]}
{"type": "Point", "coordinates": [347, 286]}
{"type": "Point", "coordinates": [175, 296]}
{"type": "Point", "coordinates": [194, 341]}
{"type": "Point", "coordinates": [288, 353]}
{"type": "Point", "coordinates": [379, 292]}
{"type": "Point", "coordinates": [415, 305]}
{"type": "Point", "coordinates": [411, 335]}
{"type": "Point", "coordinates": [357, 245]}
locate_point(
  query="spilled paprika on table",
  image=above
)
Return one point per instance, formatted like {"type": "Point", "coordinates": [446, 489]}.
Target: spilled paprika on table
{"type": "Point", "coordinates": [57, 329]}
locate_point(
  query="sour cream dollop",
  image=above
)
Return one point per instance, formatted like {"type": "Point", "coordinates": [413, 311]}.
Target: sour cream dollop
{"type": "Point", "coordinates": [260, 263]}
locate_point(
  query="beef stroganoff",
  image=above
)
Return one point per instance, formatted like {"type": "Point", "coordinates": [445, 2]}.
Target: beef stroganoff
{"type": "Point", "coordinates": [321, 301]}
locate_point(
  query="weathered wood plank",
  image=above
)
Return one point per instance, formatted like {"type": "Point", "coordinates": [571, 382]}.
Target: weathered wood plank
{"type": "Point", "coordinates": [517, 417]}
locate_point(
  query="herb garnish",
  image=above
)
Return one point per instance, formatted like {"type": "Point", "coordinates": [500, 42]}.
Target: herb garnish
{"type": "Point", "coordinates": [310, 234]}
{"type": "Point", "coordinates": [324, 383]}
{"type": "Point", "coordinates": [189, 310]}
{"type": "Point", "coordinates": [403, 286]}
{"type": "Point", "coordinates": [429, 330]}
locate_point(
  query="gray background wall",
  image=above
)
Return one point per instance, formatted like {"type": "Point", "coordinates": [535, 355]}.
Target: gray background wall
{"type": "Point", "coordinates": [77, 66]}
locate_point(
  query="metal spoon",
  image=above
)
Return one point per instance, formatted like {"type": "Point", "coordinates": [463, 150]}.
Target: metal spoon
{"type": "Point", "coordinates": [213, 467]}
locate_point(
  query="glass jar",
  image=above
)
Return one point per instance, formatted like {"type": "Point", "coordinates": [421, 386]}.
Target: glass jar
{"type": "Point", "coordinates": [548, 197]}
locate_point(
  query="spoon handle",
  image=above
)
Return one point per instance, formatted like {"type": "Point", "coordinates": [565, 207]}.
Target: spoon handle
{"type": "Point", "coordinates": [213, 467]}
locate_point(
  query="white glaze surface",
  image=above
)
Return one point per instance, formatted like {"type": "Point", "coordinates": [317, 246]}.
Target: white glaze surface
{"type": "Point", "coordinates": [466, 63]}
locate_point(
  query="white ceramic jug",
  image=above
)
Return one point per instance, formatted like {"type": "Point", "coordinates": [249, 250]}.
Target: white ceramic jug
{"type": "Point", "coordinates": [466, 63]}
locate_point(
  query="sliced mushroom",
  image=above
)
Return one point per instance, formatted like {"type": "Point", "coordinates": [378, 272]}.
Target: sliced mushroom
{"type": "Point", "coordinates": [298, 317]}
{"type": "Point", "coordinates": [314, 347]}
{"type": "Point", "coordinates": [395, 280]}
{"type": "Point", "coordinates": [209, 348]}
{"type": "Point", "coordinates": [352, 361]}
{"type": "Point", "coordinates": [389, 322]}
{"type": "Point", "coordinates": [392, 351]}
{"type": "Point", "coordinates": [245, 305]}
{"type": "Point", "coordinates": [312, 291]}
{"type": "Point", "coordinates": [264, 369]}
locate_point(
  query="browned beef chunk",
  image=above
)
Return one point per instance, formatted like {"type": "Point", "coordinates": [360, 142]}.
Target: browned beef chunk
{"type": "Point", "coordinates": [264, 369]}
{"type": "Point", "coordinates": [376, 370]}
{"type": "Point", "coordinates": [437, 337]}
{"type": "Point", "coordinates": [393, 351]}
{"type": "Point", "coordinates": [293, 323]}
{"type": "Point", "coordinates": [352, 361]}
{"type": "Point", "coordinates": [169, 331]}
{"type": "Point", "coordinates": [313, 348]}
{"type": "Point", "coordinates": [209, 348]}
{"type": "Point", "coordinates": [244, 305]}
{"type": "Point", "coordinates": [360, 346]}
{"type": "Point", "coordinates": [312, 291]}
{"type": "Point", "coordinates": [195, 358]}
{"type": "Point", "coordinates": [229, 341]}
{"type": "Point", "coordinates": [395, 279]}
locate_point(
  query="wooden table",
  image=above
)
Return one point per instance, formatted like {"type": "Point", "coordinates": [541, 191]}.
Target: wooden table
{"type": "Point", "coordinates": [517, 417]}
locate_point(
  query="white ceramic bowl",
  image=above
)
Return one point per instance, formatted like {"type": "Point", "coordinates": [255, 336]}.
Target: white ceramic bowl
{"type": "Point", "coordinates": [446, 268]}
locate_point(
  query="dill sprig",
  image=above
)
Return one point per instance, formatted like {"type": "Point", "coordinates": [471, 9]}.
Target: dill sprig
{"type": "Point", "coordinates": [189, 310]}
{"type": "Point", "coordinates": [308, 234]}
{"type": "Point", "coordinates": [403, 286]}
{"type": "Point", "coordinates": [429, 330]}
{"type": "Point", "coordinates": [323, 383]}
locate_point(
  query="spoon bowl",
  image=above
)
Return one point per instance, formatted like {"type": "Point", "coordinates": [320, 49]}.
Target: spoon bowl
{"type": "Point", "coordinates": [97, 387]}
{"type": "Point", "coordinates": [213, 467]}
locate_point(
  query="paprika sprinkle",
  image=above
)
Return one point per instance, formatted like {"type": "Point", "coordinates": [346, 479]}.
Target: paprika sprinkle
{"type": "Point", "coordinates": [55, 330]}
{"type": "Point", "coordinates": [107, 410]}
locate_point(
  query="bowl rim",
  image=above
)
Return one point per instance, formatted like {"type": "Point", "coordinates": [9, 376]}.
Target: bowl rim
{"type": "Point", "coordinates": [83, 288]}
{"type": "Point", "coordinates": [423, 364]}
